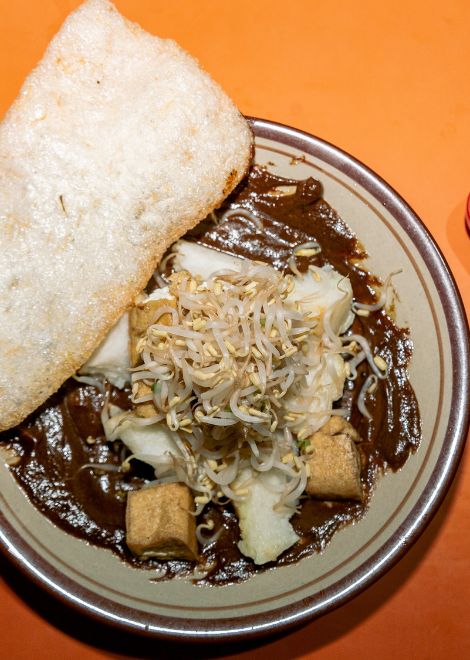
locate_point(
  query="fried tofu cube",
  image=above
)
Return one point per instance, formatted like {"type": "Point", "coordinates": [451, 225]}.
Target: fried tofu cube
{"type": "Point", "coordinates": [337, 424]}
{"type": "Point", "coordinates": [147, 408]}
{"type": "Point", "coordinates": [334, 467]}
{"type": "Point", "coordinates": [143, 315]}
{"type": "Point", "coordinates": [159, 523]}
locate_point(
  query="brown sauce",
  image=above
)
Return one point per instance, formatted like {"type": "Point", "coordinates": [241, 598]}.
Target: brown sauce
{"type": "Point", "coordinates": [52, 443]}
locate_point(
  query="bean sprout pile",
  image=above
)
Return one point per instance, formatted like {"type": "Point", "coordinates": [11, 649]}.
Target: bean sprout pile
{"type": "Point", "coordinates": [230, 372]}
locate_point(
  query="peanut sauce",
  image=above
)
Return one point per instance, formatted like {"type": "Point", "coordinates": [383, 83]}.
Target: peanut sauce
{"type": "Point", "coordinates": [65, 434]}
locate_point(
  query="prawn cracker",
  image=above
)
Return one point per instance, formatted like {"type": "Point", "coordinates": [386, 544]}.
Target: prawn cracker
{"type": "Point", "coordinates": [117, 144]}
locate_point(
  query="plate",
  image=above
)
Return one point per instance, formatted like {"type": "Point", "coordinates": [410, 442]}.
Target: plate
{"type": "Point", "coordinates": [98, 584]}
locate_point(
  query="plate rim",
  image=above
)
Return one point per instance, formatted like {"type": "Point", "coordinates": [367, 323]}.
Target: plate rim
{"type": "Point", "coordinates": [104, 610]}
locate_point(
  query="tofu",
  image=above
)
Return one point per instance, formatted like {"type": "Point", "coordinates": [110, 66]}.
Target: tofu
{"type": "Point", "coordinates": [335, 467]}
{"type": "Point", "coordinates": [141, 316]}
{"type": "Point", "coordinates": [337, 424]}
{"type": "Point", "coordinates": [159, 523]}
{"type": "Point", "coordinates": [146, 408]}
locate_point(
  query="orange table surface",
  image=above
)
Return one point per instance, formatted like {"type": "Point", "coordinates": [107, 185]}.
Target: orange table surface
{"type": "Point", "coordinates": [389, 82]}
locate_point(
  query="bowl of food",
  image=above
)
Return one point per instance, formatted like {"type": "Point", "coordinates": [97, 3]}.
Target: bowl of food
{"type": "Point", "coordinates": [271, 421]}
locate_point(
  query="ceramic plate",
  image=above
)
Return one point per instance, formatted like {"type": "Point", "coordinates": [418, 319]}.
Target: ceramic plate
{"type": "Point", "coordinates": [97, 583]}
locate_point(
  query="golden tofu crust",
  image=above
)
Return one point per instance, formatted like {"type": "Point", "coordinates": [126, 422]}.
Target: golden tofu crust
{"type": "Point", "coordinates": [159, 523]}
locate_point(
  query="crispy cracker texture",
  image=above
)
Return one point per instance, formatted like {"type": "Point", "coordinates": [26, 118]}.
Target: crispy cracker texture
{"type": "Point", "coordinates": [117, 144]}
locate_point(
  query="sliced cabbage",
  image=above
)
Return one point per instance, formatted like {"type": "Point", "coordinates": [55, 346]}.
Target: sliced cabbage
{"type": "Point", "coordinates": [318, 290]}
{"type": "Point", "coordinates": [153, 444]}
{"type": "Point", "coordinates": [265, 532]}
{"type": "Point", "coordinates": [314, 396]}
{"type": "Point", "coordinates": [203, 261]}
{"type": "Point", "coordinates": [326, 293]}
{"type": "Point", "coordinates": [111, 358]}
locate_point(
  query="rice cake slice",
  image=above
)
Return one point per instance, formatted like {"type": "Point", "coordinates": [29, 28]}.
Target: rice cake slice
{"type": "Point", "coordinates": [117, 144]}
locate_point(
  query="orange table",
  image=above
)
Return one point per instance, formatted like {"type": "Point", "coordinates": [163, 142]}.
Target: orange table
{"type": "Point", "coordinates": [388, 82]}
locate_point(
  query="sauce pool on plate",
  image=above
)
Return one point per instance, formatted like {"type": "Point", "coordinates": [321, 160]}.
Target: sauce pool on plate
{"type": "Point", "coordinates": [60, 439]}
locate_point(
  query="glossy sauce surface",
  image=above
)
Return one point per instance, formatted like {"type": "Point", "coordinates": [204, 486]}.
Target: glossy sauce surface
{"type": "Point", "coordinates": [57, 441]}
